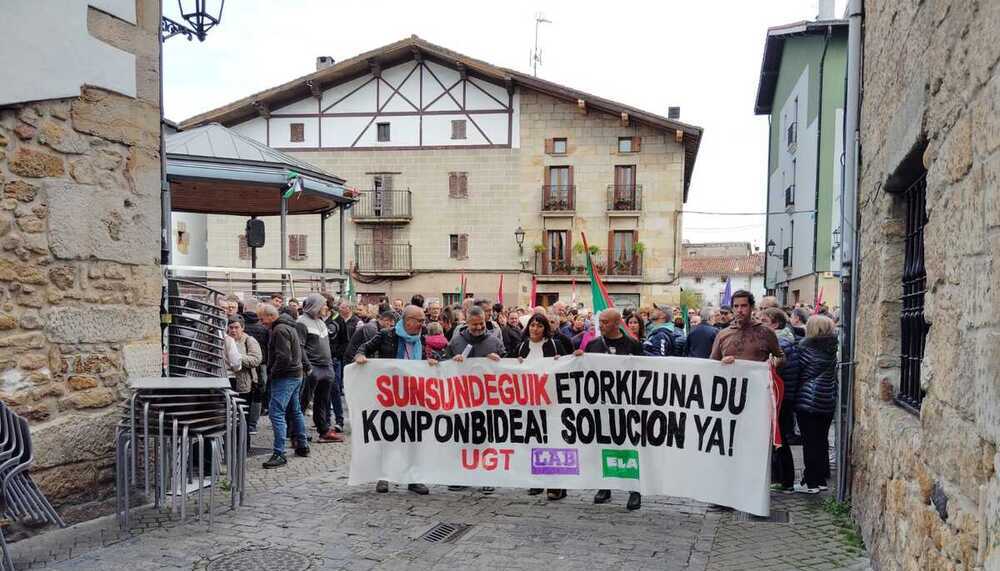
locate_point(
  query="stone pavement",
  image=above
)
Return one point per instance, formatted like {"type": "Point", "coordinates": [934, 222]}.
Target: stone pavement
{"type": "Point", "coordinates": [304, 516]}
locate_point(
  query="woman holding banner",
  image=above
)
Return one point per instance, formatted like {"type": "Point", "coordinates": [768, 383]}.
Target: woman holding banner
{"type": "Point", "coordinates": [538, 344]}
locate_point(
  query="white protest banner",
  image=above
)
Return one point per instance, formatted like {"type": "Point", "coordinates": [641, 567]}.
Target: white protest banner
{"type": "Point", "coordinates": [664, 426]}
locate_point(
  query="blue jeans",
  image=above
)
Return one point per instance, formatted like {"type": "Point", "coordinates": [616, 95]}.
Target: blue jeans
{"type": "Point", "coordinates": [285, 395]}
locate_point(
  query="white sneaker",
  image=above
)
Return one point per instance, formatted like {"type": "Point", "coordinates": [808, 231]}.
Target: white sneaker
{"type": "Point", "coordinates": [803, 489]}
{"type": "Point", "coordinates": [824, 488]}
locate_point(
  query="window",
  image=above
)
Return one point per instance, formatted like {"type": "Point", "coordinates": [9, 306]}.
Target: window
{"type": "Point", "coordinates": [912, 323]}
{"type": "Point", "coordinates": [697, 280]}
{"type": "Point", "coordinates": [244, 248]}
{"type": "Point", "coordinates": [557, 193]}
{"type": "Point", "coordinates": [297, 248]}
{"type": "Point", "coordinates": [629, 144]}
{"type": "Point", "coordinates": [383, 132]}
{"type": "Point", "coordinates": [458, 185]}
{"type": "Point", "coordinates": [451, 298]}
{"type": "Point", "coordinates": [297, 132]}
{"type": "Point", "coordinates": [625, 299]}
{"type": "Point", "coordinates": [622, 248]}
{"type": "Point", "coordinates": [557, 252]}
{"type": "Point", "coordinates": [458, 129]}
{"type": "Point", "coordinates": [556, 146]}
{"type": "Point", "coordinates": [458, 246]}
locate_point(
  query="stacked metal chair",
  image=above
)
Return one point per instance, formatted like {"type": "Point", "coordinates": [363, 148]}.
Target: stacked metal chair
{"type": "Point", "coordinates": [187, 423]}
{"type": "Point", "coordinates": [20, 498]}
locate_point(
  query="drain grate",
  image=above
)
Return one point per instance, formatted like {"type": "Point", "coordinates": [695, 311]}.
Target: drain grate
{"type": "Point", "coordinates": [445, 532]}
{"type": "Point", "coordinates": [275, 559]}
{"type": "Point", "coordinates": [777, 516]}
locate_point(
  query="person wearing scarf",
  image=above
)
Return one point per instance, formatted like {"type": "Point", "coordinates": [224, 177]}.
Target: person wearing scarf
{"type": "Point", "coordinates": [320, 379]}
{"type": "Point", "coordinates": [404, 341]}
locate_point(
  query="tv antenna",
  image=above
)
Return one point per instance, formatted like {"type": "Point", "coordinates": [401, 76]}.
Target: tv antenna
{"type": "Point", "coordinates": [536, 54]}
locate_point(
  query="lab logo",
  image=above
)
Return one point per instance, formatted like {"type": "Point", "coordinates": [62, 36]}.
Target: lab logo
{"type": "Point", "coordinates": [555, 461]}
{"type": "Point", "coordinates": [620, 463]}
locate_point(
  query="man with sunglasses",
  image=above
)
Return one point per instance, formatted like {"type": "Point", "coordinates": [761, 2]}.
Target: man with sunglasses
{"type": "Point", "coordinates": [403, 341]}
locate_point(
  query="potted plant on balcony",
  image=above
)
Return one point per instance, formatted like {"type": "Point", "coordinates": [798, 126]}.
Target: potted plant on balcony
{"type": "Point", "coordinates": [594, 250]}
{"type": "Point", "coordinates": [538, 248]}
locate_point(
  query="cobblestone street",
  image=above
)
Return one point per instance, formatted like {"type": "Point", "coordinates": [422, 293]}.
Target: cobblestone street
{"type": "Point", "coordinates": [307, 511]}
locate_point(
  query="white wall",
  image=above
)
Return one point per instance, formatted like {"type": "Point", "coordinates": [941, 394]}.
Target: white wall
{"type": "Point", "coordinates": [418, 87]}
{"type": "Point", "coordinates": [711, 286]}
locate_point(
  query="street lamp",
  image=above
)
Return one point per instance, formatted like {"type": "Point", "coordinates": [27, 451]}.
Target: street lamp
{"type": "Point", "coordinates": [201, 16]}
{"type": "Point", "coordinates": [770, 248]}
{"type": "Point", "coordinates": [519, 238]}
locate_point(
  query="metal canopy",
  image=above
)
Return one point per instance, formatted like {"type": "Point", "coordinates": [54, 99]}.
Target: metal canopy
{"type": "Point", "coordinates": [214, 170]}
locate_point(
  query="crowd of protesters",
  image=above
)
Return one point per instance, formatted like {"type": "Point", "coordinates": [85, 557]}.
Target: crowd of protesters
{"type": "Point", "coordinates": [287, 356]}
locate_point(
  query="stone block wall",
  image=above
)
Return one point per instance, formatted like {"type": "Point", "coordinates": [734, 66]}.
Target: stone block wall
{"type": "Point", "coordinates": [79, 265]}
{"type": "Point", "coordinates": [925, 487]}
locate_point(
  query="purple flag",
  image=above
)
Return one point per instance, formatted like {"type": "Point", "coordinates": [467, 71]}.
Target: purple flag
{"type": "Point", "coordinates": [727, 295]}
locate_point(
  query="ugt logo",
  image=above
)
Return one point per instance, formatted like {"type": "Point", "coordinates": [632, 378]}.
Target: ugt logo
{"type": "Point", "coordinates": [555, 461]}
{"type": "Point", "coordinates": [620, 463]}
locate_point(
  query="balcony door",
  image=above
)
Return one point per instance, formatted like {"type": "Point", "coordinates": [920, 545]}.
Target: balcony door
{"type": "Point", "coordinates": [557, 252]}
{"type": "Point", "coordinates": [382, 247]}
{"type": "Point", "coordinates": [622, 249]}
{"type": "Point", "coordinates": [624, 196]}
{"type": "Point", "coordinates": [382, 195]}
{"type": "Point", "coordinates": [558, 188]}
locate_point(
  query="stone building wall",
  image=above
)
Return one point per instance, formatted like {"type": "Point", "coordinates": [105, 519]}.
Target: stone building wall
{"type": "Point", "coordinates": [504, 192]}
{"type": "Point", "coordinates": [79, 264]}
{"type": "Point", "coordinates": [925, 488]}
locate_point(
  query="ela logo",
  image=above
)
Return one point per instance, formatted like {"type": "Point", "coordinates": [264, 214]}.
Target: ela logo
{"type": "Point", "coordinates": [620, 463]}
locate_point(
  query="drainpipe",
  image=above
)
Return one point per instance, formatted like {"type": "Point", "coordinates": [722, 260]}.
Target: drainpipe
{"type": "Point", "coordinates": [850, 251]}
{"type": "Point", "coordinates": [819, 148]}
{"type": "Point", "coordinates": [767, 206]}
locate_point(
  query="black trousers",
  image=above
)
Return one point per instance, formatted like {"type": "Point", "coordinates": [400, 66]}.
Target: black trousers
{"type": "Point", "coordinates": [815, 447]}
{"type": "Point", "coordinates": [782, 463]}
{"type": "Point", "coordinates": [322, 382]}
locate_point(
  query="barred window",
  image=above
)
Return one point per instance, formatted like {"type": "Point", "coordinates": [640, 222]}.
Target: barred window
{"type": "Point", "coordinates": [912, 323]}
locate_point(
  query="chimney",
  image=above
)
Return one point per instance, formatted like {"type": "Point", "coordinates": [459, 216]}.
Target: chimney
{"type": "Point", "coordinates": [323, 62]}
{"type": "Point", "coordinates": [673, 112]}
{"type": "Point", "coordinates": [826, 8]}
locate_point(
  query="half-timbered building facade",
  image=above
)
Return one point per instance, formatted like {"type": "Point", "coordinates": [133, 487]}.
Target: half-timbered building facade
{"type": "Point", "coordinates": [451, 156]}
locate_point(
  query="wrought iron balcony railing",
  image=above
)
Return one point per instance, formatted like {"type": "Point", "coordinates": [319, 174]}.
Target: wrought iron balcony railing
{"type": "Point", "coordinates": [624, 197]}
{"type": "Point", "coordinates": [576, 266]}
{"type": "Point", "coordinates": [383, 206]}
{"type": "Point", "coordinates": [384, 258]}
{"type": "Point", "coordinates": [559, 198]}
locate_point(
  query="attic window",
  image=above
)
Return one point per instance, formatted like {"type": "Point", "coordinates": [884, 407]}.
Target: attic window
{"type": "Point", "coordinates": [629, 144]}
{"type": "Point", "coordinates": [559, 146]}
{"type": "Point", "coordinates": [297, 132]}
{"type": "Point", "coordinates": [383, 132]}
{"type": "Point", "coordinates": [458, 129]}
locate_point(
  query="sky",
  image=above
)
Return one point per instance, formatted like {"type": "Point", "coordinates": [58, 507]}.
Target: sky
{"type": "Point", "coordinates": [701, 55]}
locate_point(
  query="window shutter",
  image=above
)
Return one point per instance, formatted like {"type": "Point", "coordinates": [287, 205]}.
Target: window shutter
{"type": "Point", "coordinates": [568, 248]}
{"type": "Point", "coordinates": [244, 249]}
{"type": "Point", "coordinates": [463, 246]}
{"type": "Point", "coordinates": [549, 146]}
{"type": "Point", "coordinates": [612, 256]}
{"type": "Point", "coordinates": [387, 181]}
{"type": "Point", "coordinates": [571, 192]}
{"type": "Point", "coordinates": [293, 246]}
{"type": "Point", "coordinates": [636, 144]}
{"type": "Point", "coordinates": [545, 253]}
{"type": "Point", "coordinates": [303, 249]}
{"type": "Point", "coordinates": [297, 132]}
{"type": "Point", "coordinates": [452, 184]}
{"type": "Point", "coordinates": [635, 255]}
{"type": "Point", "coordinates": [463, 184]}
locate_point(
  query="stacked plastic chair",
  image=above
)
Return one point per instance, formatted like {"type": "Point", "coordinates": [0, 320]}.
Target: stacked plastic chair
{"type": "Point", "coordinates": [20, 498]}
{"type": "Point", "coordinates": [179, 436]}
{"type": "Point", "coordinates": [188, 429]}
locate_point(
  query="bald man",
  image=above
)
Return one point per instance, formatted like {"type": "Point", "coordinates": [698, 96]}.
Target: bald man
{"type": "Point", "coordinates": [613, 341]}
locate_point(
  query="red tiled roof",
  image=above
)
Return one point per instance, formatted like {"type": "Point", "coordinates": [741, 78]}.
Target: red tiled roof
{"type": "Point", "coordinates": [723, 265]}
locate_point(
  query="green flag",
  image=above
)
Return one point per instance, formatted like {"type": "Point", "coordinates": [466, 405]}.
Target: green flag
{"type": "Point", "coordinates": [687, 322]}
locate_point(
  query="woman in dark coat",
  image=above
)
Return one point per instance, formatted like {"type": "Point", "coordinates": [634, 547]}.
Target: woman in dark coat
{"type": "Point", "coordinates": [537, 343]}
{"type": "Point", "coordinates": [782, 463]}
{"type": "Point", "coordinates": [816, 401]}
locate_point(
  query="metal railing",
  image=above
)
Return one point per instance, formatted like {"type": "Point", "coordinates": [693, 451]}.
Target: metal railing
{"type": "Point", "coordinates": [558, 198]}
{"type": "Point", "coordinates": [260, 281]}
{"type": "Point", "coordinates": [624, 197]}
{"type": "Point", "coordinates": [383, 205]}
{"type": "Point", "coordinates": [384, 258]}
{"type": "Point", "coordinates": [577, 265]}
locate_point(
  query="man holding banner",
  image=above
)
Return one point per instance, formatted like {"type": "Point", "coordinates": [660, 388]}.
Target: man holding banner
{"type": "Point", "coordinates": [614, 342]}
{"type": "Point", "coordinates": [400, 342]}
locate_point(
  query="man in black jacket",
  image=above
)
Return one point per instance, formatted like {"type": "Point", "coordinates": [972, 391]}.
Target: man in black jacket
{"type": "Point", "coordinates": [702, 337]}
{"type": "Point", "coordinates": [403, 341]}
{"type": "Point", "coordinates": [285, 373]}
{"type": "Point", "coordinates": [613, 341]}
{"type": "Point", "coordinates": [254, 328]}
